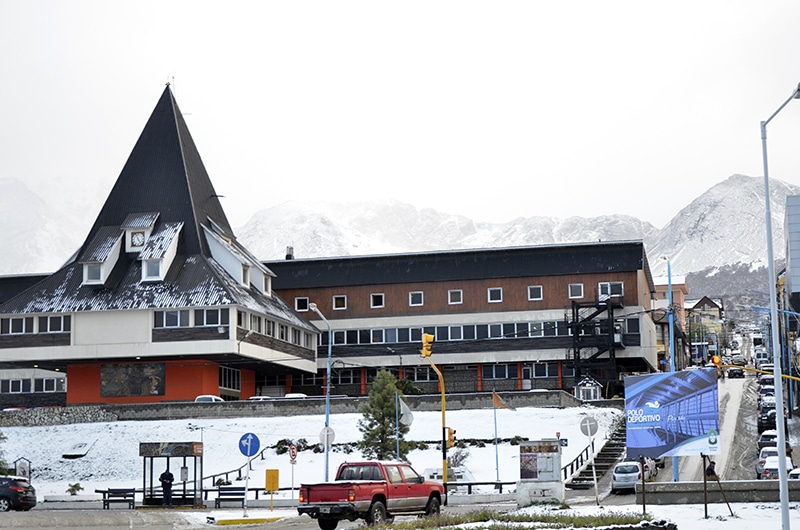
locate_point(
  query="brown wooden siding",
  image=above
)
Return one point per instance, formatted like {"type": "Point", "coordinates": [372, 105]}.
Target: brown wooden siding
{"type": "Point", "coordinates": [474, 296]}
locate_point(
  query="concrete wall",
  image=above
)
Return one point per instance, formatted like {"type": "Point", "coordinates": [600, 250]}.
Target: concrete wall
{"type": "Point", "coordinates": [735, 491]}
{"type": "Point", "coordinates": [274, 407]}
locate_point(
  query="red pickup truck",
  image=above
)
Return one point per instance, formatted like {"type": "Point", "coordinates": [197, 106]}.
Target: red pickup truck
{"type": "Point", "coordinates": [375, 491]}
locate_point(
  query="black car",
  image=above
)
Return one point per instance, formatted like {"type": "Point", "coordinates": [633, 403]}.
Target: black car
{"type": "Point", "coordinates": [735, 373]}
{"type": "Point", "coordinates": [16, 493]}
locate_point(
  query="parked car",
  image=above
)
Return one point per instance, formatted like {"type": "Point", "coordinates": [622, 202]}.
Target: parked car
{"type": "Point", "coordinates": [767, 367]}
{"type": "Point", "coordinates": [735, 373]}
{"type": "Point", "coordinates": [766, 380]}
{"type": "Point", "coordinates": [16, 493]}
{"type": "Point", "coordinates": [762, 459]}
{"type": "Point", "coordinates": [625, 476]}
{"type": "Point", "coordinates": [208, 398]}
{"type": "Point", "coordinates": [768, 438]}
{"type": "Point", "coordinates": [259, 398]}
{"type": "Point", "coordinates": [794, 474]}
{"type": "Point", "coordinates": [771, 467]}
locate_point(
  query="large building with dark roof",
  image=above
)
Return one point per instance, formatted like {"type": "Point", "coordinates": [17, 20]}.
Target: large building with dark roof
{"type": "Point", "coordinates": [515, 318]}
{"type": "Point", "coordinates": [160, 302]}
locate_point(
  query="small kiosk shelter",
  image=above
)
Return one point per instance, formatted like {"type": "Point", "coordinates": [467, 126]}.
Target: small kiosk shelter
{"type": "Point", "coordinates": [185, 460]}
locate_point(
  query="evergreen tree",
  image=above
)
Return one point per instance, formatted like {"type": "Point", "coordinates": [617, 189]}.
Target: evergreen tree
{"type": "Point", "coordinates": [378, 423]}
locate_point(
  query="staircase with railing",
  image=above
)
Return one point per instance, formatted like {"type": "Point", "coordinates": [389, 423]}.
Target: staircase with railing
{"type": "Point", "coordinates": [604, 460]}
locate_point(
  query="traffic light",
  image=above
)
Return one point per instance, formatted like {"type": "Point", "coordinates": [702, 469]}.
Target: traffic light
{"type": "Point", "coordinates": [451, 437]}
{"type": "Point", "coordinates": [717, 360]}
{"type": "Point", "coordinates": [427, 341]}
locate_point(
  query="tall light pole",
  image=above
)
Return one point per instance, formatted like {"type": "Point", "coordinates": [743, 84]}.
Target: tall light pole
{"type": "Point", "coordinates": [671, 323]}
{"type": "Point", "coordinates": [315, 309]}
{"type": "Point", "coordinates": [773, 312]}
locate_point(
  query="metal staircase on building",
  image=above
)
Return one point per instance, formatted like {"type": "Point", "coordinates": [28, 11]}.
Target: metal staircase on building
{"type": "Point", "coordinates": [611, 453]}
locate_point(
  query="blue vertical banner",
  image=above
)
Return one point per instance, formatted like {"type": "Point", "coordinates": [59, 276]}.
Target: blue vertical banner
{"type": "Point", "coordinates": [672, 413]}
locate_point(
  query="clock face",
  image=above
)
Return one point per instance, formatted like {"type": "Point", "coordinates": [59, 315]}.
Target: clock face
{"type": "Point", "coordinates": [137, 239]}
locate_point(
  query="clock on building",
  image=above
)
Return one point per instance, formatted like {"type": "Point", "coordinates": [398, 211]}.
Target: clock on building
{"type": "Point", "coordinates": [137, 239]}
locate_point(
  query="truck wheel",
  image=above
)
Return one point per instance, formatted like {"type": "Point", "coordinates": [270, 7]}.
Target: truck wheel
{"type": "Point", "coordinates": [433, 508]}
{"type": "Point", "coordinates": [377, 513]}
{"type": "Point", "coordinates": [326, 523]}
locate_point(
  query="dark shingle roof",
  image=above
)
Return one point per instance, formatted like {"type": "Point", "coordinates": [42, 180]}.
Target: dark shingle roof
{"type": "Point", "coordinates": [164, 174]}
{"type": "Point", "coordinates": [543, 260]}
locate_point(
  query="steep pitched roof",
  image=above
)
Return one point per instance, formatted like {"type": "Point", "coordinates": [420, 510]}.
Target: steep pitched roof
{"type": "Point", "coordinates": [164, 173]}
{"type": "Point", "coordinates": [163, 186]}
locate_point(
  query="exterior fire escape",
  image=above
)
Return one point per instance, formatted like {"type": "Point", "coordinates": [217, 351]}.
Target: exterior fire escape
{"type": "Point", "coordinates": [596, 337]}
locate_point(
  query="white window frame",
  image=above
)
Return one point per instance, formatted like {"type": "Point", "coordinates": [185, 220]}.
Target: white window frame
{"type": "Point", "coordinates": [94, 272]}
{"type": "Point", "coordinates": [377, 336]}
{"type": "Point", "coordinates": [176, 313]}
{"type": "Point", "coordinates": [151, 269]}
{"type": "Point", "coordinates": [534, 298]}
{"type": "Point", "coordinates": [607, 287]}
{"type": "Point", "coordinates": [414, 294]}
{"type": "Point", "coordinates": [372, 299]}
{"type": "Point", "coordinates": [301, 304]}
{"type": "Point", "coordinates": [337, 297]}
{"type": "Point", "coordinates": [569, 291]}
{"type": "Point", "coordinates": [453, 293]}
{"type": "Point", "coordinates": [489, 292]}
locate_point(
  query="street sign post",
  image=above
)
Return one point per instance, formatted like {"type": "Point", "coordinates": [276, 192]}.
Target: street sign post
{"type": "Point", "coordinates": [589, 428]}
{"type": "Point", "coordinates": [249, 444]}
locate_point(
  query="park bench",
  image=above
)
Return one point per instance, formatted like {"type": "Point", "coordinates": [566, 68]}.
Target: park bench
{"type": "Point", "coordinates": [118, 495]}
{"type": "Point", "coordinates": [230, 494]}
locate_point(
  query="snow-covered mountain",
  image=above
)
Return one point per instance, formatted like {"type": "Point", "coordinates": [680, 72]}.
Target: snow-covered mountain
{"type": "Point", "coordinates": [718, 241]}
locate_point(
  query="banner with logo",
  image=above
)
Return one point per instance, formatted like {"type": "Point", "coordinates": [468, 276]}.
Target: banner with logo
{"type": "Point", "coordinates": [672, 414]}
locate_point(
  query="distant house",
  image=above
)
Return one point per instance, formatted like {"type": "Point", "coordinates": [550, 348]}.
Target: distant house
{"type": "Point", "coordinates": [160, 302]}
{"type": "Point", "coordinates": [514, 318]}
{"type": "Point", "coordinates": [705, 327]}
{"type": "Point", "coordinates": [661, 318]}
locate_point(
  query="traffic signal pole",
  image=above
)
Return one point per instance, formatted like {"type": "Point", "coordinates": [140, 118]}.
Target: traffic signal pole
{"type": "Point", "coordinates": [444, 428]}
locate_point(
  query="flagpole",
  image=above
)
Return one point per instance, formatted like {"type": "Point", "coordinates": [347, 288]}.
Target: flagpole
{"type": "Point", "coordinates": [496, 459]}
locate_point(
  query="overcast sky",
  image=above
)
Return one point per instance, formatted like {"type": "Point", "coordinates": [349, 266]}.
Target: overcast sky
{"type": "Point", "coordinates": [489, 109]}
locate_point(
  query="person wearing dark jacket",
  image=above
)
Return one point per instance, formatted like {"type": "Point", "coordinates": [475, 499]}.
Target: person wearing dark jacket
{"type": "Point", "coordinates": [167, 479]}
{"type": "Point", "coordinates": [711, 471]}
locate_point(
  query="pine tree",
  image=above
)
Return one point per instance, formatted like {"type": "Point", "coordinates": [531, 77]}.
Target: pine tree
{"type": "Point", "coordinates": [378, 423]}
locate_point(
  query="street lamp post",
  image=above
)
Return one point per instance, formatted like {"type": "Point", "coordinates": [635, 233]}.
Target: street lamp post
{"type": "Point", "coordinates": [773, 310]}
{"type": "Point", "coordinates": [315, 309]}
{"type": "Point", "coordinates": [671, 323]}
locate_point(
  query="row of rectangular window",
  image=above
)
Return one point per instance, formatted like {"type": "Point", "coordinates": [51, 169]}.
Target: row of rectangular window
{"type": "Point", "coordinates": [26, 325]}
{"type": "Point", "coordinates": [456, 296]}
{"type": "Point", "coordinates": [19, 386]}
{"type": "Point", "coordinates": [427, 374]}
{"type": "Point", "coordinates": [512, 330]}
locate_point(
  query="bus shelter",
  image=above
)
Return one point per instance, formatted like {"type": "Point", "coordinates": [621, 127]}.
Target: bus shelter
{"type": "Point", "coordinates": [184, 460]}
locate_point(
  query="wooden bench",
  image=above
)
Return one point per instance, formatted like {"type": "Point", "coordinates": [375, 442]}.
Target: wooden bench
{"type": "Point", "coordinates": [230, 494]}
{"type": "Point", "coordinates": [118, 495]}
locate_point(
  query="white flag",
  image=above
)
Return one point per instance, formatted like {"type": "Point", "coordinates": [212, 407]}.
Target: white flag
{"type": "Point", "coordinates": [405, 413]}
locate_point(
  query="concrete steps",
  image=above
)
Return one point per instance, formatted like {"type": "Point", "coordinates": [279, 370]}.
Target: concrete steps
{"type": "Point", "coordinates": [604, 460]}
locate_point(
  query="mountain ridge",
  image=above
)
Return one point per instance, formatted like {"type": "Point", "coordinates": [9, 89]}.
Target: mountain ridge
{"type": "Point", "coordinates": [714, 239]}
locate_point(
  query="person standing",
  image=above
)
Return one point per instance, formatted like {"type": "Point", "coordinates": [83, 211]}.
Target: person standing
{"type": "Point", "coordinates": [711, 471]}
{"type": "Point", "coordinates": [166, 479]}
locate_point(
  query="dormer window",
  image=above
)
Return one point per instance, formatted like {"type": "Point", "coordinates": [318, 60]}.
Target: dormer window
{"type": "Point", "coordinates": [101, 255]}
{"type": "Point", "coordinates": [159, 251]}
{"type": "Point", "coordinates": [152, 269]}
{"type": "Point", "coordinates": [93, 273]}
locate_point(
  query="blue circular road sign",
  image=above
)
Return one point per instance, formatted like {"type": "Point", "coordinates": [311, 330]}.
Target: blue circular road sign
{"type": "Point", "coordinates": [249, 444]}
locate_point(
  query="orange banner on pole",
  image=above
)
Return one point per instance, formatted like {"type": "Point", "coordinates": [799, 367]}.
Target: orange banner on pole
{"type": "Point", "coordinates": [498, 402]}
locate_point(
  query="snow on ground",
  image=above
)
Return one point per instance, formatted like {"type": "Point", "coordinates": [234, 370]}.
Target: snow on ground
{"type": "Point", "coordinates": [113, 460]}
